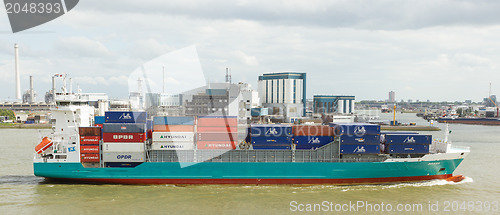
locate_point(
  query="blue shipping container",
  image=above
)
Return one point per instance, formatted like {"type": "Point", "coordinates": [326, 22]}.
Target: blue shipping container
{"type": "Point", "coordinates": [366, 139]}
{"type": "Point", "coordinates": [271, 140]}
{"type": "Point", "coordinates": [359, 149]}
{"type": "Point", "coordinates": [149, 124]}
{"type": "Point", "coordinates": [125, 117]}
{"type": "Point", "coordinates": [124, 128]}
{"type": "Point", "coordinates": [313, 140]}
{"type": "Point", "coordinates": [408, 139]}
{"type": "Point", "coordinates": [407, 148]}
{"type": "Point", "coordinates": [173, 120]}
{"type": "Point", "coordinates": [99, 119]}
{"type": "Point", "coordinates": [355, 129]}
{"type": "Point", "coordinates": [272, 147]}
{"type": "Point", "coordinates": [271, 130]}
{"type": "Point", "coordinates": [309, 146]}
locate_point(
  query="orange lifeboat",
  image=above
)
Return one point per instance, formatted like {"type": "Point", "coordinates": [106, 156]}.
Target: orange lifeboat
{"type": "Point", "coordinates": [44, 145]}
{"type": "Point", "coordinates": [456, 178]}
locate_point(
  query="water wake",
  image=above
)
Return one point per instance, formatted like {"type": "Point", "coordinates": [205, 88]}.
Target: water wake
{"type": "Point", "coordinates": [437, 182]}
{"type": "Point", "coordinates": [20, 179]}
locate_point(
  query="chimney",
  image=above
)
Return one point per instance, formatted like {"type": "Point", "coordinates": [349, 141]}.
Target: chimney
{"type": "Point", "coordinates": [32, 90]}
{"type": "Point", "coordinates": [54, 85]}
{"type": "Point", "coordinates": [70, 85]}
{"type": "Point", "coordinates": [18, 81]}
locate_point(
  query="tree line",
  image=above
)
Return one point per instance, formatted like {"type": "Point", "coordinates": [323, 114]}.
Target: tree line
{"type": "Point", "coordinates": [9, 113]}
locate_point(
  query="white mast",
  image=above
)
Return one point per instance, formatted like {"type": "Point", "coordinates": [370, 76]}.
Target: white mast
{"type": "Point", "coordinates": [18, 81]}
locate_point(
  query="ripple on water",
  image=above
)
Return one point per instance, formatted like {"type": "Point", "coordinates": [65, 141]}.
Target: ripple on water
{"type": "Point", "coordinates": [21, 179]}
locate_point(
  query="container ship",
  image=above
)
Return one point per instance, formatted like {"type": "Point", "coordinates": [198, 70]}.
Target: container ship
{"type": "Point", "coordinates": [471, 120]}
{"type": "Point", "coordinates": [134, 148]}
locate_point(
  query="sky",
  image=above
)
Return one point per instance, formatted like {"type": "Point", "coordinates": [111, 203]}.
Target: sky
{"type": "Point", "coordinates": [438, 50]}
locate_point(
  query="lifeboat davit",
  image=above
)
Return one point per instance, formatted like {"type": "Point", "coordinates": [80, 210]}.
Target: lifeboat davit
{"type": "Point", "coordinates": [44, 145]}
{"type": "Point", "coordinates": [456, 178]}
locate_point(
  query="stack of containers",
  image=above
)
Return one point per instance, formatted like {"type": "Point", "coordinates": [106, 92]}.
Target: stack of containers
{"type": "Point", "coordinates": [407, 143]}
{"type": "Point", "coordinates": [124, 136]}
{"type": "Point", "coordinates": [173, 133]}
{"type": "Point", "coordinates": [149, 129]}
{"type": "Point", "coordinates": [271, 136]}
{"type": "Point", "coordinates": [217, 132]}
{"type": "Point", "coordinates": [89, 144]}
{"type": "Point", "coordinates": [99, 120]}
{"type": "Point", "coordinates": [357, 138]}
{"type": "Point", "coordinates": [311, 136]}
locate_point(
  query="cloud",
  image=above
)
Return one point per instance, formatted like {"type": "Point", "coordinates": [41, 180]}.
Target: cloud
{"type": "Point", "coordinates": [361, 48]}
{"type": "Point", "coordinates": [81, 47]}
{"type": "Point", "coordinates": [246, 59]}
{"type": "Point", "coordinates": [384, 14]}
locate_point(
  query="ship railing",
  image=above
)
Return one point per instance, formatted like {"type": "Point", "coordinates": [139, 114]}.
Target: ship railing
{"type": "Point", "coordinates": [249, 156]}
{"type": "Point", "coordinates": [455, 148]}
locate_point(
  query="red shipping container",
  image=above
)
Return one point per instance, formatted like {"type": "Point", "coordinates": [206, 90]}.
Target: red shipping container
{"type": "Point", "coordinates": [89, 149]}
{"type": "Point", "coordinates": [216, 145]}
{"type": "Point", "coordinates": [89, 157]}
{"type": "Point", "coordinates": [98, 125]}
{"type": "Point", "coordinates": [312, 130]}
{"type": "Point", "coordinates": [89, 131]}
{"type": "Point", "coordinates": [217, 122]}
{"type": "Point", "coordinates": [221, 136]}
{"type": "Point", "coordinates": [150, 134]}
{"type": "Point", "coordinates": [217, 129]}
{"type": "Point", "coordinates": [89, 140]}
{"type": "Point", "coordinates": [124, 137]}
{"type": "Point", "coordinates": [174, 128]}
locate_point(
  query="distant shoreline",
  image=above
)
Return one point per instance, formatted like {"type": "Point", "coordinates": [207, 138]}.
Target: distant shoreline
{"type": "Point", "coordinates": [25, 126]}
{"type": "Point", "coordinates": [409, 128]}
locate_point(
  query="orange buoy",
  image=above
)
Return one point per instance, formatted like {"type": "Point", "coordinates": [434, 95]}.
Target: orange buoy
{"type": "Point", "coordinates": [456, 178]}
{"type": "Point", "coordinates": [44, 145]}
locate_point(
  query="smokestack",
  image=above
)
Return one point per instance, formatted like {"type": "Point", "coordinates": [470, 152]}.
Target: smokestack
{"type": "Point", "coordinates": [32, 89]}
{"type": "Point", "coordinates": [54, 85]}
{"type": "Point", "coordinates": [18, 81]}
{"type": "Point", "coordinates": [139, 86]}
{"type": "Point", "coordinates": [70, 85]}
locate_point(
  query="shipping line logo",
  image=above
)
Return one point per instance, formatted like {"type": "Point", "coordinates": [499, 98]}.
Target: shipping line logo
{"type": "Point", "coordinates": [26, 14]}
{"type": "Point", "coordinates": [125, 116]}
{"type": "Point", "coordinates": [409, 140]}
{"type": "Point", "coordinates": [272, 131]}
{"type": "Point", "coordinates": [360, 149]}
{"type": "Point", "coordinates": [123, 137]}
{"type": "Point", "coordinates": [314, 140]}
{"type": "Point", "coordinates": [360, 130]}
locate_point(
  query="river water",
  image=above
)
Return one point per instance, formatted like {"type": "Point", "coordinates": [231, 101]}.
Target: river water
{"type": "Point", "coordinates": [23, 193]}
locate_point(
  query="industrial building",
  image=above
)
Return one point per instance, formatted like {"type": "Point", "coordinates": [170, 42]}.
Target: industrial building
{"type": "Point", "coordinates": [248, 99]}
{"type": "Point", "coordinates": [30, 95]}
{"type": "Point", "coordinates": [211, 101]}
{"type": "Point", "coordinates": [218, 99]}
{"type": "Point", "coordinates": [284, 93]}
{"type": "Point", "coordinates": [163, 100]}
{"type": "Point", "coordinates": [392, 96]}
{"type": "Point", "coordinates": [333, 104]}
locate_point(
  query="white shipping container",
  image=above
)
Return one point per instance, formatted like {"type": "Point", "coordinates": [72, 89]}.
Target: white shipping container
{"type": "Point", "coordinates": [173, 136]}
{"type": "Point", "coordinates": [123, 157]}
{"type": "Point", "coordinates": [172, 146]}
{"type": "Point", "coordinates": [123, 147]}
